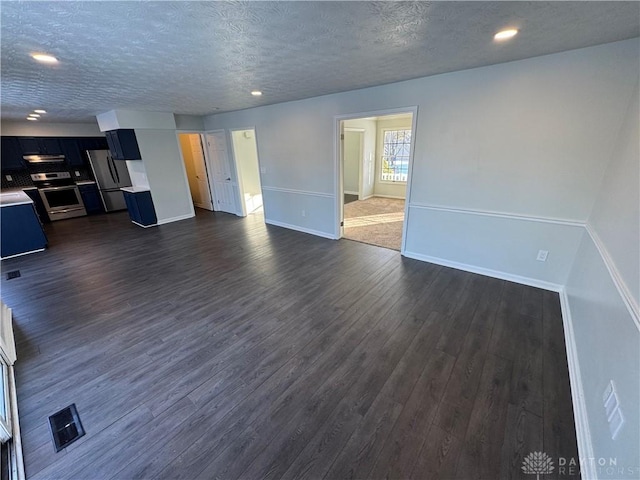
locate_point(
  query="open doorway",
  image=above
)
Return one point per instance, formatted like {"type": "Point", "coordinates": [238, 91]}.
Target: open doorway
{"type": "Point", "coordinates": [375, 158]}
{"type": "Point", "coordinates": [196, 169]}
{"type": "Point", "coordinates": [245, 153]}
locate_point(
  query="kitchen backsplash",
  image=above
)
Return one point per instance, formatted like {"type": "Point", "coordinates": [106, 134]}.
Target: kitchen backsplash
{"type": "Point", "coordinates": [22, 178]}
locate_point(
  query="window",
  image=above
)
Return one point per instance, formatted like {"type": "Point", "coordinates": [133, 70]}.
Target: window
{"type": "Point", "coordinates": [396, 146]}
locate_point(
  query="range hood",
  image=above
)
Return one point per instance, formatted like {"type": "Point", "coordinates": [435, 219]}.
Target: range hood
{"type": "Point", "coordinates": [43, 158]}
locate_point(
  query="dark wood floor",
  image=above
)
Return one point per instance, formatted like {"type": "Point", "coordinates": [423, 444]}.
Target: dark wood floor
{"type": "Point", "coordinates": [218, 347]}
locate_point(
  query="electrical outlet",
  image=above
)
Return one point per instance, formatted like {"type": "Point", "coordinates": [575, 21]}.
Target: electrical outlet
{"type": "Point", "coordinates": [77, 173]}
{"type": "Point", "coordinates": [9, 178]}
{"type": "Point", "coordinates": [304, 214]}
{"type": "Point", "coordinates": [542, 255]}
{"type": "Point", "coordinates": [263, 170]}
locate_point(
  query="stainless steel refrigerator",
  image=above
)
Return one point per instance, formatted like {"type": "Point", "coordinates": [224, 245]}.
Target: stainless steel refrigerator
{"type": "Point", "coordinates": [111, 175]}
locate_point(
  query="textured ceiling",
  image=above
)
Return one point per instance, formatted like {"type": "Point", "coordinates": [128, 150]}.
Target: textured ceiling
{"type": "Point", "coordinates": [205, 57]}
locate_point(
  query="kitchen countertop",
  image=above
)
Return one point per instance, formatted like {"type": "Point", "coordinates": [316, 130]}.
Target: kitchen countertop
{"type": "Point", "coordinates": [9, 198]}
{"type": "Point", "coordinates": [135, 189]}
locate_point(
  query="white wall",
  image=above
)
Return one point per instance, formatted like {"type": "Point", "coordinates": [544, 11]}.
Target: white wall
{"type": "Point", "coordinates": [352, 161]}
{"type": "Point", "coordinates": [526, 138]}
{"type": "Point", "coordinates": [369, 152]}
{"type": "Point", "coordinates": [602, 292]}
{"type": "Point", "coordinates": [161, 163]}
{"type": "Point", "coordinates": [191, 123]}
{"type": "Point", "coordinates": [45, 129]}
{"type": "Point", "coordinates": [381, 188]}
{"type": "Point", "coordinates": [166, 173]}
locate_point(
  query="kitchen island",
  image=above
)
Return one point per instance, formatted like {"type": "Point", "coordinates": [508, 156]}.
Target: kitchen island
{"type": "Point", "coordinates": [21, 231]}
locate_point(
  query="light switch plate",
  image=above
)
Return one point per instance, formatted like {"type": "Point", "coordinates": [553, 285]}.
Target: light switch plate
{"type": "Point", "coordinates": [542, 255]}
{"type": "Point", "coordinates": [9, 178]}
{"type": "Point", "coordinates": [77, 173]}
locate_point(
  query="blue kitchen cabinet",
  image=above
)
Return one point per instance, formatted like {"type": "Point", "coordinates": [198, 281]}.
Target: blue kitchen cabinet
{"type": "Point", "coordinates": [40, 146]}
{"type": "Point", "coordinates": [21, 230]}
{"type": "Point", "coordinates": [140, 207]}
{"type": "Point", "coordinates": [92, 143]}
{"type": "Point", "coordinates": [41, 210]}
{"type": "Point", "coordinates": [91, 198]}
{"type": "Point", "coordinates": [123, 144]}
{"type": "Point", "coordinates": [11, 154]}
{"type": "Point", "coordinates": [71, 152]}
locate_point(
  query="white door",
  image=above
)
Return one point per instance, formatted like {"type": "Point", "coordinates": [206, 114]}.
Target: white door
{"type": "Point", "coordinates": [204, 194]}
{"type": "Point", "coordinates": [220, 172]}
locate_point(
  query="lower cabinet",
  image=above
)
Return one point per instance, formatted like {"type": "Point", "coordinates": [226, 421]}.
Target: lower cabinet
{"type": "Point", "coordinates": [91, 198]}
{"type": "Point", "coordinates": [21, 230]}
{"type": "Point", "coordinates": [34, 195]}
{"type": "Point", "coordinates": [140, 207]}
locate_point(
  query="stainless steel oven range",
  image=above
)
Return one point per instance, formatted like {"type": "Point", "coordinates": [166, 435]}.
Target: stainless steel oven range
{"type": "Point", "coordinates": [60, 195]}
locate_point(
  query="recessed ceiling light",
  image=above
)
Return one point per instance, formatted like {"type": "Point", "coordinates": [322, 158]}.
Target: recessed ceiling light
{"type": "Point", "coordinates": [256, 93]}
{"type": "Point", "coordinates": [33, 119]}
{"type": "Point", "coordinates": [41, 57]}
{"type": "Point", "coordinates": [505, 34]}
{"type": "Point", "coordinates": [34, 115]}
{"type": "Point", "coordinates": [40, 111]}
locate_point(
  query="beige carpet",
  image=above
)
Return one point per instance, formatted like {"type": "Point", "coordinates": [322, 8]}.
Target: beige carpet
{"type": "Point", "coordinates": [377, 221]}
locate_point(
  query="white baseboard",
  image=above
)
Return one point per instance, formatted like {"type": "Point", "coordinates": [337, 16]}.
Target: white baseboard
{"type": "Point", "coordinates": [388, 196]}
{"type": "Point", "coordinates": [144, 226]}
{"type": "Point", "coordinates": [349, 192]}
{"type": "Point", "coordinates": [583, 433]}
{"type": "Point", "coordinates": [298, 228]}
{"type": "Point", "coordinates": [16, 460]}
{"type": "Point", "coordinates": [23, 253]}
{"type": "Point", "coordinates": [532, 282]}
{"type": "Point", "coordinates": [176, 219]}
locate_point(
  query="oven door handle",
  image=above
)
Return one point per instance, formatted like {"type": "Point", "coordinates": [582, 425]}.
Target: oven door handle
{"type": "Point", "coordinates": [67, 210]}
{"type": "Point", "coordinates": [64, 187]}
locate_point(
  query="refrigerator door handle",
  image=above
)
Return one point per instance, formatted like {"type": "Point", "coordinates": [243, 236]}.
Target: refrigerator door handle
{"type": "Point", "coordinates": [110, 170]}
{"type": "Point", "coordinates": [115, 169]}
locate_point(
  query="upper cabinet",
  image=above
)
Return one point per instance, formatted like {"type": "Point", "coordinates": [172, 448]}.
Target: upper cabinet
{"type": "Point", "coordinates": [71, 152]}
{"type": "Point", "coordinates": [123, 144]}
{"type": "Point", "coordinates": [73, 148]}
{"type": "Point", "coordinates": [40, 146]}
{"type": "Point", "coordinates": [11, 154]}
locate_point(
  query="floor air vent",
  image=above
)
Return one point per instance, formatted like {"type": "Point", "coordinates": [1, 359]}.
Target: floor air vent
{"type": "Point", "coordinates": [14, 274]}
{"type": "Point", "coordinates": [65, 427]}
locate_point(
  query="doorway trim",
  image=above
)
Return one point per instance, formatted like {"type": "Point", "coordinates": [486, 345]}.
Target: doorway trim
{"type": "Point", "coordinates": [240, 199]}
{"type": "Point", "coordinates": [338, 165]}
{"type": "Point", "coordinates": [204, 155]}
{"type": "Point", "coordinates": [360, 160]}
{"type": "Point", "coordinates": [233, 174]}
{"type": "Point", "coordinates": [184, 167]}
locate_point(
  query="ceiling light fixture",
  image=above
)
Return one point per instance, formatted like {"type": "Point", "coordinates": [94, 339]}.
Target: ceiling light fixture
{"type": "Point", "coordinates": [33, 119]}
{"type": "Point", "coordinates": [40, 111]}
{"type": "Point", "coordinates": [34, 115]}
{"type": "Point", "coordinates": [44, 58]}
{"type": "Point", "coordinates": [256, 93]}
{"type": "Point", "coordinates": [505, 34]}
